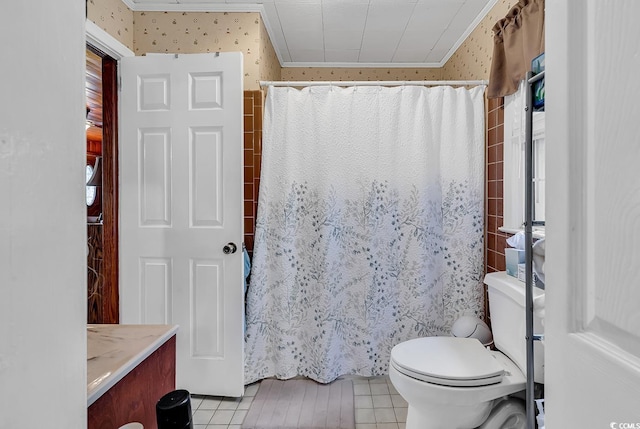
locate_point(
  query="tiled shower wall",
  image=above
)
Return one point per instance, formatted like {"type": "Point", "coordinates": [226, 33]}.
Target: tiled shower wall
{"type": "Point", "coordinates": [252, 159]}
{"type": "Point", "coordinates": [495, 240]}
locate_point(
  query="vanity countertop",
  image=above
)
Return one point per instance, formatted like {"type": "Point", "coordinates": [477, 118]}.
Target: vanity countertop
{"type": "Point", "coordinates": [114, 350]}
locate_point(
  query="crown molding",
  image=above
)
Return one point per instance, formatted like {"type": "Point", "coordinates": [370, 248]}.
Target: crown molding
{"type": "Point", "coordinates": [363, 65]}
{"type": "Point", "coordinates": [129, 3]}
{"type": "Point", "coordinates": [159, 6]}
{"type": "Point", "coordinates": [468, 31]}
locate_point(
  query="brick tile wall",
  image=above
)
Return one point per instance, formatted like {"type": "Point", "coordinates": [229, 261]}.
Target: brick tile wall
{"type": "Point", "coordinates": [253, 105]}
{"type": "Point", "coordinates": [495, 240]}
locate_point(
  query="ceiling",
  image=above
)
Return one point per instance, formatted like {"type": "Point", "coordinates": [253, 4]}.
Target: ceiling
{"type": "Point", "coordinates": [352, 33]}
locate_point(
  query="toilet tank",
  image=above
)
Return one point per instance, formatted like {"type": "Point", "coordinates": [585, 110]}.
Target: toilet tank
{"type": "Point", "coordinates": [508, 320]}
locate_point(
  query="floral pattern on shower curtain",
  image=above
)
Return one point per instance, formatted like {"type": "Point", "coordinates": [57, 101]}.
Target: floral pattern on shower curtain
{"type": "Point", "coordinates": [369, 229]}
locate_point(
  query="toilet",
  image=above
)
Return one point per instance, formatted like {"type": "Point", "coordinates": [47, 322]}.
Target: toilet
{"type": "Point", "coordinates": [458, 383]}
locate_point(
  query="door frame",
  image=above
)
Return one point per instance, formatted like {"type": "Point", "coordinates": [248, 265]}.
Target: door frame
{"type": "Point", "coordinates": [110, 293]}
{"type": "Point", "coordinates": [111, 51]}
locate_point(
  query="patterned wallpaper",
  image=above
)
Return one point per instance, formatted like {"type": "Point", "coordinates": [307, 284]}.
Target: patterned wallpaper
{"type": "Point", "coordinates": [269, 64]}
{"type": "Point", "coordinates": [472, 60]}
{"type": "Point", "coordinates": [201, 32]}
{"type": "Point", "coordinates": [114, 17]}
{"type": "Point", "coordinates": [337, 74]}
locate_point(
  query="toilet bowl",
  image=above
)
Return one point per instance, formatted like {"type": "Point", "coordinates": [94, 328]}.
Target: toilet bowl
{"type": "Point", "coordinates": [451, 383]}
{"type": "Point", "coordinates": [507, 413]}
{"type": "Point", "coordinates": [457, 383]}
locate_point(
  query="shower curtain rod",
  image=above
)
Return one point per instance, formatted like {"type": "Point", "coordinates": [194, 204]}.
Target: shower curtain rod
{"type": "Point", "coordinates": [376, 83]}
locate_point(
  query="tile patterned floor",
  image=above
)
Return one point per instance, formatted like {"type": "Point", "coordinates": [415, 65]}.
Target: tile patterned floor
{"type": "Point", "coordinates": [377, 406]}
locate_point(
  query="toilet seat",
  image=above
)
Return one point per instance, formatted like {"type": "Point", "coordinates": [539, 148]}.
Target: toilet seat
{"type": "Point", "coordinates": [448, 361]}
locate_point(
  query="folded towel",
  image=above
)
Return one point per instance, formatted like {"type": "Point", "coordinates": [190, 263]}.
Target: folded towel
{"type": "Point", "coordinates": [538, 307]}
{"type": "Point", "coordinates": [247, 266]}
{"type": "Point", "coordinates": [538, 259]}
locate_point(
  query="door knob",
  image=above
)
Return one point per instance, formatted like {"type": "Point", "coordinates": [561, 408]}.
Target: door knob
{"type": "Point", "coordinates": [229, 248]}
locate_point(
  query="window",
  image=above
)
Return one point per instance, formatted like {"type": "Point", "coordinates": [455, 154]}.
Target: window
{"type": "Point", "coordinates": [91, 190]}
{"type": "Point", "coordinates": [514, 168]}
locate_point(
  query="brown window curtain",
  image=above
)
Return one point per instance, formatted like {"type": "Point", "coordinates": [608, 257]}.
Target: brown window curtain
{"type": "Point", "coordinates": [518, 38]}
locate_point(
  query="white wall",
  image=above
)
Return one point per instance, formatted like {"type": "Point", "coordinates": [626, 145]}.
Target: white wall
{"type": "Point", "coordinates": [42, 216]}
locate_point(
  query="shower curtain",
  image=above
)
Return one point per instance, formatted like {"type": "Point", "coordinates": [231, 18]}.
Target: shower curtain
{"type": "Point", "coordinates": [369, 229]}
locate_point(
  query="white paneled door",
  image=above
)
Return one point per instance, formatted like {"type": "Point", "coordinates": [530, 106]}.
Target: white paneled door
{"type": "Point", "coordinates": [181, 210]}
{"type": "Point", "coordinates": [592, 321]}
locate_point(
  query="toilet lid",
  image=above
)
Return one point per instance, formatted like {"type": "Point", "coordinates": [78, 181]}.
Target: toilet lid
{"type": "Point", "coordinates": [449, 361]}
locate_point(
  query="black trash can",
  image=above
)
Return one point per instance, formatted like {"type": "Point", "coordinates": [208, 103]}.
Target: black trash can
{"type": "Point", "coordinates": [173, 411]}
